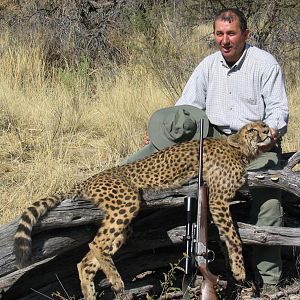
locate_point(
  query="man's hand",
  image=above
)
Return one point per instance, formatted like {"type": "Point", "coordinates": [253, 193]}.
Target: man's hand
{"type": "Point", "coordinates": [274, 139]}
{"type": "Point", "coordinates": [146, 139]}
{"type": "Point", "coordinates": [274, 135]}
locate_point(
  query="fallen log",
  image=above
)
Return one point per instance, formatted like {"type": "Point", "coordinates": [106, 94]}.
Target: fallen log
{"type": "Point", "coordinates": [68, 215]}
{"type": "Point", "coordinates": [284, 179]}
{"type": "Point", "coordinates": [54, 243]}
{"type": "Point", "coordinates": [155, 228]}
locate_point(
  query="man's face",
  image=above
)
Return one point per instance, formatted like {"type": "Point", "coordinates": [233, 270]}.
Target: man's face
{"type": "Point", "coordinates": [230, 40]}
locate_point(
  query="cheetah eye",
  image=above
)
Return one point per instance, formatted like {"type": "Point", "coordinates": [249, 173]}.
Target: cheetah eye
{"type": "Point", "coordinates": [252, 130]}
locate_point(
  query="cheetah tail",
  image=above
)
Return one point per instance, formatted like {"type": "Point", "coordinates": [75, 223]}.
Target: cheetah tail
{"type": "Point", "coordinates": [22, 241]}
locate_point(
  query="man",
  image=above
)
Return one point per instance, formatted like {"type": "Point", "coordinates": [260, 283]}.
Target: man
{"type": "Point", "coordinates": [232, 87]}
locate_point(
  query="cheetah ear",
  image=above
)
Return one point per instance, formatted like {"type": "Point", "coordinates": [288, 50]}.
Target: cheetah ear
{"type": "Point", "coordinates": [233, 140]}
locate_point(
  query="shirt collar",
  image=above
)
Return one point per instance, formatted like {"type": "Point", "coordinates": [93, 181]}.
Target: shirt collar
{"type": "Point", "coordinates": [239, 63]}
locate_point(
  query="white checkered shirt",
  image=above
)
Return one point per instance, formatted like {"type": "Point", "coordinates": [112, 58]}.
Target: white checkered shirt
{"type": "Point", "coordinates": [252, 89]}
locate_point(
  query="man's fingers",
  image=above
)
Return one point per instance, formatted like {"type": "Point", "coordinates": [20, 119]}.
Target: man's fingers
{"type": "Point", "coordinates": [274, 134]}
{"type": "Point", "coordinates": [146, 140]}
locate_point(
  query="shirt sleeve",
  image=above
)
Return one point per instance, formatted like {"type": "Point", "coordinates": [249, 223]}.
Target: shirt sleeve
{"type": "Point", "coordinates": [275, 98]}
{"type": "Point", "coordinates": [194, 92]}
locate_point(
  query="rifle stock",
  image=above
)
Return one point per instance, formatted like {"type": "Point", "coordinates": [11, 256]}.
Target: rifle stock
{"type": "Point", "coordinates": [210, 281]}
{"type": "Point", "coordinates": [209, 284]}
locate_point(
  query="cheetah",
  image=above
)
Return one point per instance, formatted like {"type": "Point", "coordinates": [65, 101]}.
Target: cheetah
{"type": "Point", "coordinates": [117, 192]}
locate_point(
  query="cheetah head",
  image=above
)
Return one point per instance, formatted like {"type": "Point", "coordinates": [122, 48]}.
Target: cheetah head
{"type": "Point", "coordinates": [252, 138]}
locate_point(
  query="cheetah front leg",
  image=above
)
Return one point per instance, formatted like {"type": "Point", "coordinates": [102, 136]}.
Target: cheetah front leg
{"type": "Point", "coordinates": [219, 208]}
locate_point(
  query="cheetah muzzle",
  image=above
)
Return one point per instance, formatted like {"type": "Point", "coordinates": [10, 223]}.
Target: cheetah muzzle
{"type": "Point", "coordinates": [116, 192]}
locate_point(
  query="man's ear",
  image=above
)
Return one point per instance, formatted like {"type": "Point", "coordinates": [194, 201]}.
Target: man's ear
{"type": "Point", "coordinates": [247, 34]}
{"type": "Point", "coordinates": [233, 140]}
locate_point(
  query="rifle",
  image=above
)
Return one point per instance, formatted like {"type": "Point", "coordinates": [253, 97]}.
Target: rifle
{"type": "Point", "coordinates": [196, 234]}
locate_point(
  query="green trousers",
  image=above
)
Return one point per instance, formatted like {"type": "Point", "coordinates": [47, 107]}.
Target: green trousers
{"type": "Point", "coordinates": [265, 210]}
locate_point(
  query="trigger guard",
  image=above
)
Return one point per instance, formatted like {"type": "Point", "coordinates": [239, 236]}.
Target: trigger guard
{"type": "Point", "coordinates": [210, 256]}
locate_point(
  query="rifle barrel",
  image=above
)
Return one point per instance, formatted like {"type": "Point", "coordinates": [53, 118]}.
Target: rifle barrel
{"type": "Point", "coordinates": [201, 234]}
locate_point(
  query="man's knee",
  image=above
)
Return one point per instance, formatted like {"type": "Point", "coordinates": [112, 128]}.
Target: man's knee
{"type": "Point", "coordinates": [266, 207]}
{"type": "Point", "coordinates": [142, 153]}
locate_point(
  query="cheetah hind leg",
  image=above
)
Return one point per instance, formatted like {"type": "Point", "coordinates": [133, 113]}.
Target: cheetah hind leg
{"type": "Point", "coordinates": [117, 244]}
{"type": "Point", "coordinates": [107, 241]}
{"type": "Point", "coordinates": [87, 270]}
{"type": "Point", "coordinates": [121, 239]}
{"type": "Point", "coordinates": [89, 266]}
{"type": "Point", "coordinates": [110, 237]}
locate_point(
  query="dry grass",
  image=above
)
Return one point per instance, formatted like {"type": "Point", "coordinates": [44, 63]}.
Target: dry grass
{"type": "Point", "coordinates": [291, 141]}
{"type": "Point", "coordinates": [55, 131]}
{"type": "Point", "coordinates": [58, 127]}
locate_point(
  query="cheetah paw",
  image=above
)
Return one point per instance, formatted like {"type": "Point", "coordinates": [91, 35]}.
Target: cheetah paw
{"type": "Point", "coordinates": [238, 272]}
{"type": "Point", "coordinates": [239, 276]}
{"type": "Point", "coordinates": [124, 296]}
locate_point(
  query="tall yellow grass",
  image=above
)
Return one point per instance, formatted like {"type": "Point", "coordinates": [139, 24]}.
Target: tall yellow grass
{"type": "Point", "coordinates": [55, 131]}
{"type": "Point", "coordinates": [291, 141]}
{"type": "Point", "coordinates": [60, 126]}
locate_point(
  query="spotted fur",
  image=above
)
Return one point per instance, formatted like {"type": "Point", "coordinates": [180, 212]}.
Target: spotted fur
{"type": "Point", "coordinates": [117, 192]}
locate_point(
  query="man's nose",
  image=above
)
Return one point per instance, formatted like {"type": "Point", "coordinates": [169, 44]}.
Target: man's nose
{"type": "Point", "coordinates": [225, 39]}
